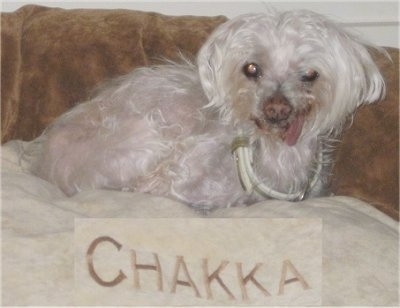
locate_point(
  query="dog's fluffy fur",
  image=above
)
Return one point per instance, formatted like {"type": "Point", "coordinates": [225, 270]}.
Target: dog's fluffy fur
{"type": "Point", "coordinates": [286, 80]}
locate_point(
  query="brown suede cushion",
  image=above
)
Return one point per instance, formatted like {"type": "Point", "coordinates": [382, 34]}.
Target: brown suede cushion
{"type": "Point", "coordinates": [53, 58]}
{"type": "Point", "coordinates": [367, 160]}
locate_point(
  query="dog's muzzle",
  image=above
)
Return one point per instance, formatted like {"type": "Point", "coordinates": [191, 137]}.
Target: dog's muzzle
{"type": "Point", "coordinates": [277, 109]}
{"type": "Point", "coordinates": [278, 112]}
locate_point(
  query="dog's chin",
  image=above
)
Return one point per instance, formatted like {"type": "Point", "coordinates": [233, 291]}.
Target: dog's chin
{"type": "Point", "coordinates": [287, 132]}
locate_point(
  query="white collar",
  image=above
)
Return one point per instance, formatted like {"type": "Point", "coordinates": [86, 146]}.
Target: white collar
{"type": "Point", "coordinates": [243, 156]}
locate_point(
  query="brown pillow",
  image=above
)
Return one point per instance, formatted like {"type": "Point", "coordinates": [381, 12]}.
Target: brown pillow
{"type": "Point", "coordinates": [53, 58]}
{"type": "Point", "coordinates": [367, 159]}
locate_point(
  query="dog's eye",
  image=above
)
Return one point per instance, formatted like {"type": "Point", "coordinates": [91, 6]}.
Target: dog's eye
{"type": "Point", "coordinates": [252, 70]}
{"type": "Point", "coordinates": [310, 76]}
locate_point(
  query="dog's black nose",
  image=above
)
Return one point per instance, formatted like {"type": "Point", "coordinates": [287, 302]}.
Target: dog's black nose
{"type": "Point", "coordinates": [277, 108]}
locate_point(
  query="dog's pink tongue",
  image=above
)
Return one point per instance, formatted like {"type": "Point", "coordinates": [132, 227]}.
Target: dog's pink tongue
{"type": "Point", "coordinates": [293, 132]}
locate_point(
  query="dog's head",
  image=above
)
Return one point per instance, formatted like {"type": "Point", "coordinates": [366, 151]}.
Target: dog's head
{"type": "Point", "coordinates": [287, 75]}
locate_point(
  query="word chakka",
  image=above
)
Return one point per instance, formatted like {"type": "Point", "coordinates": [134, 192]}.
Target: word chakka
{"type": "Point", "coordinates": [181, 274]}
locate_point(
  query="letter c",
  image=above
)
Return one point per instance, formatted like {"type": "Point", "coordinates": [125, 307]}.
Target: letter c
{"type": "Point", "coordinates": [89, 256]}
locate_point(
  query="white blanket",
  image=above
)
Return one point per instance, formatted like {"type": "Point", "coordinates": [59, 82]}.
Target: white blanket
{"type": "Point", "coordinates": [327, 251]}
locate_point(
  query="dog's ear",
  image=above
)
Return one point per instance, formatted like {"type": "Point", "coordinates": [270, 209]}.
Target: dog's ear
{"type": "Point", "coordinates": [210, 60]}
{"type": "Point", "coordinates": [367, 82]}
{"type": "Point", "coordinates": [217, 54]}
{"type": "Point", "coordinates": [374, 88]}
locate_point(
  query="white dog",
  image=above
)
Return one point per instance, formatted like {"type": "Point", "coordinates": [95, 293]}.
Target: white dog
{"type": "Point", "coordinates": [251, 119]}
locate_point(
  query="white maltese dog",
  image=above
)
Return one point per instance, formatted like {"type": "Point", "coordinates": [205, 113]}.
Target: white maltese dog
{"type": "Point", "coordinates": [252, 119]}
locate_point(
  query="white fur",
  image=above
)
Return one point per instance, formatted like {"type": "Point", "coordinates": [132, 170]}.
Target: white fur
{"type": "Point", "coordinates": [167, 130]}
